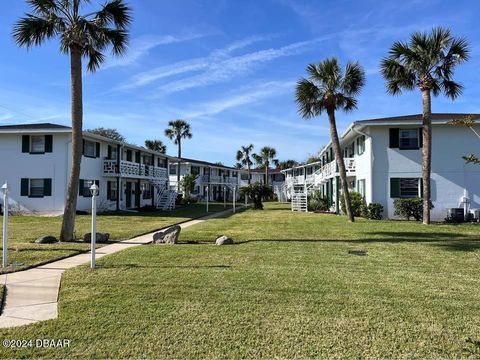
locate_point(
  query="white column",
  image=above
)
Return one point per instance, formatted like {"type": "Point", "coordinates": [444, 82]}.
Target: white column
{"type": "Point", "coordinates": [5, 226]}
{"type": "Point", "coordinates": [93, 231]}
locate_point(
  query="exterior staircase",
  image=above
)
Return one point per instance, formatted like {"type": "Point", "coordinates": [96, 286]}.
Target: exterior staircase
{"type": "Point", "coordinates": [165, 197]}
{"type": "Point", "coordinates": [299, 199]}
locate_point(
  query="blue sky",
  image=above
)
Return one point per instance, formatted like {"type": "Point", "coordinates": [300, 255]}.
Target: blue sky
{"type": "Point", "coordinates": [229, 68]}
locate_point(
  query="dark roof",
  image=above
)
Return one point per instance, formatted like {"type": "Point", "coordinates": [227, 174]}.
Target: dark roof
{"type": "Point", "coordinates": [418, 117]}
{"type": "Point", "coordinates": [39, 126]}
{"type": "Point", "coordinates": [208, 163]}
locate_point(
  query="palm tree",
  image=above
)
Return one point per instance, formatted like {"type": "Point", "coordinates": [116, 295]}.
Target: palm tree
{"type": "Point", "coordinates": [286, 164]}
{"type": "Point", "coordinates": [328, 88]}
{"type": "Point", "coordinates": [265, 158]}
{"type": "Point", "coordinates": [178, 130]}
{"type": "Point", "coordinates": [156, 145]}
{"type": "Point", "coordinates": [426, 63]}
{"type": "Point", "coordinates": [81, 36]}
{"type": "Point", "coordinates": [243, 157]}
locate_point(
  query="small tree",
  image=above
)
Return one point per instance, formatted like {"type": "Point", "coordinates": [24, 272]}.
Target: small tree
{"type": "Point", "coordinates": [187, 184]}
{"type": "Point", "coordinates": [468, 121]}
{"type": "Point", "coordinates": [257, 192]}
{"type": "Point", "coordinates": [358, 203]}
{"type": "Point", "coordinates": [109, 133]}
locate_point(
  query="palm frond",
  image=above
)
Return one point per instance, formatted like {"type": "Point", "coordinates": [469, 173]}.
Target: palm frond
{"type": "Point", "coordinates": [309, 99]}
{"type": "Point", "coordinates": [34, 30]}
{"type": "Point", "coordinates": [354, 78]}
{"type": "Point", "coordinates": [115, 12]}
{"type": "Point", "coordinates": [451, 89]}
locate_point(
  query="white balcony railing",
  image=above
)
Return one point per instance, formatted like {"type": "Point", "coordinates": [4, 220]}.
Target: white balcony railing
{"type": "Point", "coordinates": [131, 169]}
{"type": "Point", "coordinates": [325, 172]}
{"type": "Point", "coordinates": [215, 179]}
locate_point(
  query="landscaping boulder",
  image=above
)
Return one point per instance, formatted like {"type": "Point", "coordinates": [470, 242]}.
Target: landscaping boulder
{"type": "Point", "coordinates": [47, 239]}
{"type": "Point", "coordinates": [169, 236]}
{"type": "Point", "coordinates": [101, 238]}
{"type": "Point", "coordinates": [224, 240]}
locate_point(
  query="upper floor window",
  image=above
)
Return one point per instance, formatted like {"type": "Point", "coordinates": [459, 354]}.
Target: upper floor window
{"type": "Point", "coordinates": [360, 145]}
{"type": "Point", "coordinates": [405, 139]}
{"type": "Point", "coordinates": [91, 149]}
{"type": "Point", "coordinates": [37, 144]}
{"type": "Point", "coordinates": [195, 170]}
{"type": "Point", "coordinates": [173, 170]}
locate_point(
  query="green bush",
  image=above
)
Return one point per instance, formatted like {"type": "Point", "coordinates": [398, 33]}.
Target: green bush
{"type": "Point", "coordinates": [189, 200]}
{"type": "Point", "coordinates": [410, 208]}
{"type": "Point", "coordinates": [257, 192]}
{"type": "Point", "coordinates": [358, 203]}
{"type": "Point", "coordinates": [316, 202]}
{"type": "Point", "coordinates": [373, 211]}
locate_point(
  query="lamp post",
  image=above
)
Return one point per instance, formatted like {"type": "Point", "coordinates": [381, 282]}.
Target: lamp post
{"type": "Point", "coordinates": [208, 195]}
{"type": "Point", "coordinates": [234, 198]}
{"type": "Point", "coordinates": [224, 196]}
{"type": "Point", "coordinates": [5, 225]}
{"type": "Point", "coordinates": [94, 191]}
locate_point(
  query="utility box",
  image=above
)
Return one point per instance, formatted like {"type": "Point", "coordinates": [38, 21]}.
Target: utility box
{"type": "Point", "coordinates": [476, 214]}
{"type": "Point", "coordinates": [456, 215]}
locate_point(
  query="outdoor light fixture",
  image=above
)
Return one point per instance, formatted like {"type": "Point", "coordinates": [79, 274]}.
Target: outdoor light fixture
{"type": "Point", "coordinates": [93, 238]}
{"type": "Point", "coordinates": [5, 225]}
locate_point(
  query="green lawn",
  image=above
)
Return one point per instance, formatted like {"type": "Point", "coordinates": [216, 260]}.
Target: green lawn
{"type": "Point", "coordinates": [24, 230]}
{"type": "Point", "coordinates": [289, 289]}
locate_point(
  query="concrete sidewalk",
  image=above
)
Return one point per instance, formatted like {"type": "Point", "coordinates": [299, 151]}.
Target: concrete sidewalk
{"type": "Point", "coordinates": [32, 295]}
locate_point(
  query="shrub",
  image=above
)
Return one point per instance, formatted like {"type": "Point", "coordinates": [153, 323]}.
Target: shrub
{"type": "Point", "coordinates": [187, 200]}
{"type": "Point", "coordinates": [373, 211]}
{"type": "Point", "coordinates": [358, 203]}
{"type": "Point", "coordinates": [257, 192]}
{"type": "Point", "coordinates": [410, 208]}
{"type": "Point", "coordinates": [317, 202]}
{"type": "Point", "coordinates": [187, 184]}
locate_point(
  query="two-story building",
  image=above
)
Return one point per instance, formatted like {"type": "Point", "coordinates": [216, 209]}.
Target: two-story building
{"type": "Point", "coordinates": [212, 178]}
{"type": "Point", "coordinates": [36, 163]}
{"type": "Point", "coordinates": [383, 158]}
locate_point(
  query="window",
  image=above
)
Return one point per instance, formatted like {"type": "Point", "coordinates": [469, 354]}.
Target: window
{"type": "Point", "coordinates": [146, 191]}
{"type": "Point", "coordinates": [405, 187]}
{"type": "Point", "coordinates": [244, 176]}
{"type": "Point", "coordinates": [195, 170]}
{"type": "Point", "coordinates": [89, 148]}
{"type": "Point", "coordinates": [36, 188]}
{"type": "Point", "coordinates": [111, 153]}
{"type": "Point", "coordinates": [206, 171]}
{"type": "Point", "coordinates": [173, 170]}
{"type": "Point", "coordinates": [360, 145]}
{"type": "Point", "coordinates": [111, 190]}
{"type": "Point", "coordinates": [309, 171]}
{"type": "Point", "coordinates": [84, 187]}
{"type": "Point", "coordinates": [408, 139]}
{"type": "Point", "coordinates": [234, 173]}
{"type": "Point", "coordinates": [37, 144]}
{"type": "Point", "coordinates": [361, 187]}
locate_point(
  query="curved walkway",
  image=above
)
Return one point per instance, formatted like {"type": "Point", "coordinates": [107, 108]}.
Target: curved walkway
{"type": "Point", "coordinates": [32, 295]}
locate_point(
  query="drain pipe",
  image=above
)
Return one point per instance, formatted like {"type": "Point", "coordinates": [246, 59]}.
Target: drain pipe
{"type": "Point", "coordinates": [372, 158]}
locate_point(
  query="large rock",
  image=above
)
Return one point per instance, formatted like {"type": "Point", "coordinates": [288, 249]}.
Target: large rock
{"type": "Point", "coordinates": [169, 236]}
{"type": "Point", "coordinates": [224, 240]}
{"type": "Point", "coordinates": [100, 238]}
{"type": "Point", "coordinates": [47, 239]}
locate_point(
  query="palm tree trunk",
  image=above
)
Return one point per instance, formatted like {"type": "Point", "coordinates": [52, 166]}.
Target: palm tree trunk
{"type": "Point", "coordinates": [266, 175]}
{"type": "Point", "coordinates": [426, 153]}
{"type": "Point", "coordinates": [179, 163]}
{"type": "Point", "coordinates": [340, 163]}
{"type": "Point", "coordinates": [68, 223]}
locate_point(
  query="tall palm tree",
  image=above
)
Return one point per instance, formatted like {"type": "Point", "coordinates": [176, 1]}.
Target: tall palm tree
{"type": "Point", "coordinates": [243, 157]}
{"type": "Point", "coordinates": [176, 131]}
{"type": "Point", "coordinates": [329, 88]}
{"type": "Point", "coordinates": [426, 63]}
{"type": "Point", "coordinates": [81, 36]}
{"type": "Point", "coordinates": [265, 158]}
{"type": "Point", "coordinates": [156, 145]}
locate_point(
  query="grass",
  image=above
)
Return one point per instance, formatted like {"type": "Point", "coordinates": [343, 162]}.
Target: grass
{"type": "Point", "coordinates": [24, 230]}
{"type": "Point", "coordinates": [288, 289]}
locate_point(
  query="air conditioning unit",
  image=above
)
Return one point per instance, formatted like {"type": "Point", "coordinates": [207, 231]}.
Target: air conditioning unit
{"type": "Point", "coordinates": [475, 213]}
{"type": "Point", "coordinates": [456, 214]}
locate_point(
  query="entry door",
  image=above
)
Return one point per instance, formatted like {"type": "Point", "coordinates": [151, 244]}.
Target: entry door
{"type": "Point", "coordinates": [137, 194]}
{"type": "Point", "coordinates": [128, 195]}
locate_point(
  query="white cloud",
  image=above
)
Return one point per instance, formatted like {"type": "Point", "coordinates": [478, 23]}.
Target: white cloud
{"type": "Point", "coordinates": [141, 46]}
{"type": "Point", "coordinates": [219, 66]}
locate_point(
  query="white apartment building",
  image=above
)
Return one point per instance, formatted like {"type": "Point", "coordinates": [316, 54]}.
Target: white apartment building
{"type": "Point", "coordinates": [215, 179]}
{"type": "Point", "coordinates": [383, 158]}
{"type": "Point", "coordinates": [36, 163]}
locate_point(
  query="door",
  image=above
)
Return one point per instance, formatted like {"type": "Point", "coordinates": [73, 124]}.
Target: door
{"type": "Point", "coordinates": [128, 195]}
{"type": "Point", "coordinates": [137, 194]}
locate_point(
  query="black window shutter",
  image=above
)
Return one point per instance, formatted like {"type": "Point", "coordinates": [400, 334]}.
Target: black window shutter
{"type": "Point", "coordinates": [48, 143]}
{"type": "Point", "coordinates": [394, 138]}
{"type": "Point", "coordinates": [109, 152]}
{"type": "Point", "coordinates": [47, 187]}
{"type": "Point", "coordinates": [97, 182]}
{"type": "Point", "coordinates": [80, 187]}
{"type": "Point", "coordinates": [24, 187]}
{"type": "Point", "coordinates": [420, 137]}
{"type": "Point", "coordinates": [109, 188]}
{"type": "Point", "coordinates": [420, 191]}
{"type": "Point", "coordinates": [83, 146]}
{"type": "Point", "coordinates": [394, 187]}
{"type": "Point", "coordinates": [137, 157]}
{"type": "Point", "coordinates": [98, 150]}
{"type": "Point", "coordinates": [25, 143]}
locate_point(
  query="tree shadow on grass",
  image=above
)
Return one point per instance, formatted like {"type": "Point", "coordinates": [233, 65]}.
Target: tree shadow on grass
{"type": "Point", "coordinates": [146, 266]}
